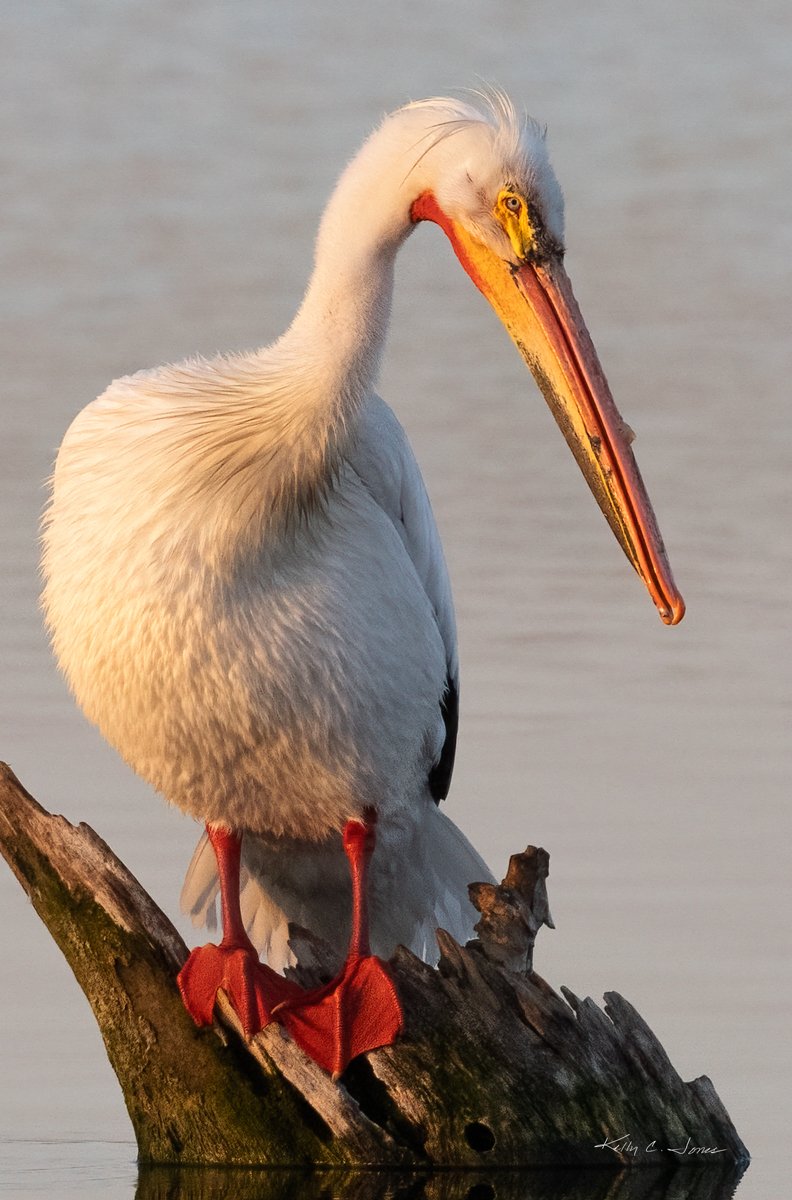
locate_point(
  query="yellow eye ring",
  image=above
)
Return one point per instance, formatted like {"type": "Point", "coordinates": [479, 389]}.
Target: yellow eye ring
{"type": "Point", "coordinates": [513, 215]}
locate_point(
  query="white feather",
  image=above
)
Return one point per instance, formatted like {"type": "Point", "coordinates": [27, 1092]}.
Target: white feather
{"type": "Point", "coordinates": [244, 583]}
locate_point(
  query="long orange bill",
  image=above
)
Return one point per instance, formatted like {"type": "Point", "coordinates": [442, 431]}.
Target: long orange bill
{"type": "Point", "coordinates": [536, 304]}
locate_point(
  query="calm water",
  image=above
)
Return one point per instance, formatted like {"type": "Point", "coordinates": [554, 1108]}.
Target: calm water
{"type": "Point", "coordinates": [165, 168]}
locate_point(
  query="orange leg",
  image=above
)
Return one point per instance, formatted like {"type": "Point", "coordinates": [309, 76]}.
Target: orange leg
{"type": "Point", "coordinates": [253, 988]}
{"type": "Point", "coordinates": [357, 1011]}
{"type": "Point", "coordinates": [359, 842]}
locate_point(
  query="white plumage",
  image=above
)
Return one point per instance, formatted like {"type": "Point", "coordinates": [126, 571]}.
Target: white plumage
{"type": "Point", "coordinates": [244, 582]}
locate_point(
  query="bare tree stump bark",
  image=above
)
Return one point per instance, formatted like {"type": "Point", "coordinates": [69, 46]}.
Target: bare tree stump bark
{"type": "Point", "coordinates": [495, 1068]}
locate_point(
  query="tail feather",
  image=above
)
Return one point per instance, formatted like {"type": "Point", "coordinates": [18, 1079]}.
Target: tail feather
{"type": "Point", "coordinates": [266, 924]}
{"type": "Point", "coordinates": [201, 886]}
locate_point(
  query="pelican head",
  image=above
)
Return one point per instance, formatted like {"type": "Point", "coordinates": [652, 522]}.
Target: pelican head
{"type": "Point", "coordinates": [483, 175]}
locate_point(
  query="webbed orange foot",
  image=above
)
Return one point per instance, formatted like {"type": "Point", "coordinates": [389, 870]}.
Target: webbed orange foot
{"type": "Point", "coordinates": [357, 1011]}
{"type": "Point", "coordinates": [253, 988]}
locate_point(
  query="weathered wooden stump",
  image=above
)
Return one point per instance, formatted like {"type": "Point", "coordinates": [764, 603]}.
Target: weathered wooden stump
{"type": "Point", "coordinates": [495, 1068]}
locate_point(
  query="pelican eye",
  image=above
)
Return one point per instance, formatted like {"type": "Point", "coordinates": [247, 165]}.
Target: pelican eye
{"type": "Point", "coordinates": [513, 214]}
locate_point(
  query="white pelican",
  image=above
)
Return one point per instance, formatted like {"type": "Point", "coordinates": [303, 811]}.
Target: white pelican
{"type": "Point", "coordinates": [246, 590]}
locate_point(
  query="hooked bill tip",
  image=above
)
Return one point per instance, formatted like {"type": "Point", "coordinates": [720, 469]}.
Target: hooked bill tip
{"type": "Point", "coordinates": [672, 615]}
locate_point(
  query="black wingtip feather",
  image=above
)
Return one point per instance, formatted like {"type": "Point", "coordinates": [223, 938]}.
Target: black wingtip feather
{"type": "Point", "coordinates": [441, 772]}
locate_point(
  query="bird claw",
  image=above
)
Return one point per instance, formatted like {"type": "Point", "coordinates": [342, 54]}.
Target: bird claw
{"type": "Point", "coordinates": [253, 988]}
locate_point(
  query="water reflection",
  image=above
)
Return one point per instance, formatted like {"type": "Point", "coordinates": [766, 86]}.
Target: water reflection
{"type": "Point", "coordinates": [598, 1183]}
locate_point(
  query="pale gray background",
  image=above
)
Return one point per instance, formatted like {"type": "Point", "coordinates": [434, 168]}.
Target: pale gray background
{"type": "Point", "coordinates": [164, 168]}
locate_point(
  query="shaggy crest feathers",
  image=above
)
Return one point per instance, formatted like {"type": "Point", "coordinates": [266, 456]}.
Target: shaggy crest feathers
{"type": "Point", "coordinates": [496, 110]}
{"type": "Point", "coordinates": [518, 143]}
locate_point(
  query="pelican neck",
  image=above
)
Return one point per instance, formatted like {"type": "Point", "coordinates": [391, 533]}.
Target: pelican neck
{"type": "Point", "coordinates": [344, 315]}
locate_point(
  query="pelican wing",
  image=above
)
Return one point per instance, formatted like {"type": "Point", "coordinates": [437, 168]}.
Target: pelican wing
{"type": "Point", "coordinates": [382, 457]}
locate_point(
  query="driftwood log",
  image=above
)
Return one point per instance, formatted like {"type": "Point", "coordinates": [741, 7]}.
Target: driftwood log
{"type": "Point", "coordinates": [495, 1068]}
